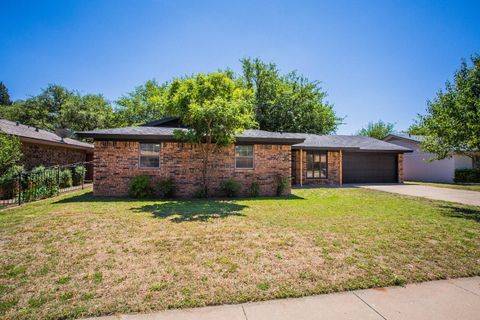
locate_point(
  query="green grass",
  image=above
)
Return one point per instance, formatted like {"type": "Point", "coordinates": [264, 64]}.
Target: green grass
{"type": "Point", "coordinates": [77, 255]}
{"type": "Point", "coordinates": [471, 187]}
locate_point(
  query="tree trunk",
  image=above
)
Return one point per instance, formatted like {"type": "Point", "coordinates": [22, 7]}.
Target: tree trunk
{"type": "Point", "coordinates": [476, 161]}
{"type": "Point", "coordinates": [205, 151]}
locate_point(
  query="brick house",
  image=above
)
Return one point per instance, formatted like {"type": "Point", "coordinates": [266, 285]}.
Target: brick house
{"type": "Point", "coordinates": [44, 148]}
{"type": "Point", "coordinates": [257, 155]}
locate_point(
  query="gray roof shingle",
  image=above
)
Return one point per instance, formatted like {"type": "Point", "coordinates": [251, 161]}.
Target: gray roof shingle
{"type": "Point", "coordinates": [359, 143]}
{"type": "Point", "coordinates": [28, 132]}
{"type": "Point", "coordinates": [298, 140]}
{"type": "Point", "coordinates": [412, 137]}
{"type": "Point", "coordinates": [166, 133]}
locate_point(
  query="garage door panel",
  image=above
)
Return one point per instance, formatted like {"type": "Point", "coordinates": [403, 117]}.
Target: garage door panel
{"type": "Point", "coordinates": [363, 167]}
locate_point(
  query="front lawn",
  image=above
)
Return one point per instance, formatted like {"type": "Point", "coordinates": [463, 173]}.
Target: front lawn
{"type": "Point", "coordinates": [471, 187]}
{"type": "Point", "coordinates": [77, 255]}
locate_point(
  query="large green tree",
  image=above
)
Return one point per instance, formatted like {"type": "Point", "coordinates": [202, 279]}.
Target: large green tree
{"type": "Point", "coordinates": [87, 112]}
{"type": "Point", "coordinates": [145, 103]}
{"type": "Point", "coordinates": [377, 130]}
{"type": "Point", "coordinates": [214, 108]}
{"type": "Point", "coordinates": [452, 120]}
{"type": "Point", "coordinates": [288, 102]}
{"type": "Point", "coordinates": [4, 96]}
{"type": "Point", "coordinates": [10, 155]}
{"type": "Point", "coordinates": [58, 107]}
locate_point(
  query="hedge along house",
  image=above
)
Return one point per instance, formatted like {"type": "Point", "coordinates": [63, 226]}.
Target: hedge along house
{"type": "Point", "coordinates": [257, 155]}
{"type": "Point", "coordinates": [44, 148]}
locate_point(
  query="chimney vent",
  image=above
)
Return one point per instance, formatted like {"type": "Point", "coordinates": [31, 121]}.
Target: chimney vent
{"type": "Point", "coordinates": [62, 133]}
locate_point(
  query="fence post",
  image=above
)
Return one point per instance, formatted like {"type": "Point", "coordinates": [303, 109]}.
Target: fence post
{"type": "Point", "coordinates": [58, 180]}
{"type": "Point", "coordinates": [20, 188]}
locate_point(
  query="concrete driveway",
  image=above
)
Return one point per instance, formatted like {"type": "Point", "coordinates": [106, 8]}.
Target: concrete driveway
{"type": "Point", "coordinates": [453, 195]}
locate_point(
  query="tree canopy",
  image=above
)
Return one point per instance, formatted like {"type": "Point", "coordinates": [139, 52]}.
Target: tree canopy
{"type": "Point", "coordinates": [377, 130]}
{"type": "Point", "coordinates": [57, 107]}
{"type": "Point", "coordinates": [10, 154]}
{"type": "Point", "coordinates": [288, 102]}
{"type": "Point", "coordinates": [4, 96]}
{"type": "Point", "coordinates": [144, 104]}
{"type": "Point", "coordinates": [452, 120]}
{"type": "Point", "coordinates": [214, 108]}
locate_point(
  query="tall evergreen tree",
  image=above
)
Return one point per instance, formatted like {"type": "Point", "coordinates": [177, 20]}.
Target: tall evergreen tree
{"type": "Point", "coordinates": [4, 96]}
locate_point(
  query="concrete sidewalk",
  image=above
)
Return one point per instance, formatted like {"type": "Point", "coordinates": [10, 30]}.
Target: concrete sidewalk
{"type": "Point", "coordinates": [435, 193]}
{"type": "Point", "coordinates": [446, 299]}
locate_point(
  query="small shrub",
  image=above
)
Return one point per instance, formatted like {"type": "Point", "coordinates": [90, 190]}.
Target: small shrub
{"type": "Point", "coordinates": [254, 190]}
{"type": "Point", "coordinates": [139, 187]}
{"type": "Point", "coordinates": [263, 285]}
{"type": "Point", "coordinates": [40, 183]}
{"type": "Point", "coordinates": [65, 179]}
{"type": "Point", "coordinates": [159, 286]}
{"type": "Point", "coordinates": [79, 175]}
{"type": "Point", "coordinates": [467, 175]}
{"type": "Point", "coordinates": [200, 193]}
{"type": "Point", "coordinates": [230, 187]}
{"type": "Point", "coordinates": [9, 182]}
{"type": "Point", "coordinates": [399, 280]}
{"type": "Point", "coordinates": [165, 188]}
{"type": "Point", "coordinates": [63, 280]}
{"type": "Point", "coordinates": [283, 183]}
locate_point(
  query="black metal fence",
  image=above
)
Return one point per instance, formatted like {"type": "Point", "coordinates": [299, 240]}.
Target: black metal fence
{"type": "Point", "coordinates": [42, 182]}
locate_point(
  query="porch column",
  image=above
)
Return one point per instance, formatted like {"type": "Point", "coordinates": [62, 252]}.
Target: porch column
{"type": "Point", "coordinates": [341, 167]}
{"type": "Point", "coordinates": [301, 167]}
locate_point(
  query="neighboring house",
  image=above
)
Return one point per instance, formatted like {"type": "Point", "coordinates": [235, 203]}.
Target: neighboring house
{"type": "Point", "coordinates": [257, 155]}
{"type": "Point", "coordinates": [417, 166]}
{"type": "Point", "coordinates": [41, 147]}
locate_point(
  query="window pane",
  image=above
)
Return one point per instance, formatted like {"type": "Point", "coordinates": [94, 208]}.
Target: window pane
{"type": "Point", "coordinates": [244, 162]}
{"type": "Point", "coordinates": [323, 166]}
{"type": "Point", "coordinates": [309, 165]}
{"type": "Point", "coordinates": [244, 151]}
{"type": "Point", "coordinates": [244, 156]}
{"type": "Point", "coordinates": [149, 162]}
{"type": "Point", "coordinates": [149, 155]}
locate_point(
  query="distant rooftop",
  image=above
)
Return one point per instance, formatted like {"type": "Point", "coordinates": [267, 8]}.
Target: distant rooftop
{"type": "Point", "coordinates": [33, 135]}
{"type": "Point", "coordinates": [416, 138]}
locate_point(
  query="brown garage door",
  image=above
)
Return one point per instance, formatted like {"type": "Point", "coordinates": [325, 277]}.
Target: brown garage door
{"type": "Point", "coordinates": [369, 167]}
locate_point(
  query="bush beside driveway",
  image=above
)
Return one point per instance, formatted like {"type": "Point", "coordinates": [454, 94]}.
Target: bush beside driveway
{"type": "Point", "coordinates": [78, 255]}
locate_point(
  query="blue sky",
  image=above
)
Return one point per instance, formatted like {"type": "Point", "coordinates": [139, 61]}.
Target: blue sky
{"type": "Point", "coordinates": [376, 59]}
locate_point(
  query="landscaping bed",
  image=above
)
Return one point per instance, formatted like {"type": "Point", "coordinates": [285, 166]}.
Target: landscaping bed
{"type": "Point", "coordinates": [78, 255]}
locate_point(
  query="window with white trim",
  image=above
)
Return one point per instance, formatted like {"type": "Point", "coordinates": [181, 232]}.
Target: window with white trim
{"type": "Point", "coordinates": [150, 155]}
{"type": "Point", "coordinates": [244, 156]}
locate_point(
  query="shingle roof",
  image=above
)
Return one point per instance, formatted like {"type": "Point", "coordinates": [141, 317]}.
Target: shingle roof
{"type": "Point", "coordinates": [416, 138]}
{"type": "Point", "coordinates": [166, 133]}
{"type": "Point", "coordinates": [346, 142]}
{"type": "Point", "coordinates": [298, 140]}
{"type": "Point", "coordinates": [28, 132]}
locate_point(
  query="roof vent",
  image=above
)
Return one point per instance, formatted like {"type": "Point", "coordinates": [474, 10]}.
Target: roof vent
{"type": "Point", "coordinates": [36, 129]}
{"type": "Point", "coordinates": [63, 133]}
{"type": "Point", "coordinates": [17, 123]}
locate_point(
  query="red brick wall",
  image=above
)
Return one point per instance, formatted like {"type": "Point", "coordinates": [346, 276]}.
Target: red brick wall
{"type": "Point", "coordinates": [117, 161]}
{"type": "Point", "coordinates": [44, 155]}
{"type": "Point", "coordinates": [333, 168]}
{"type": "Point", "coordinates": [400, 168]}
